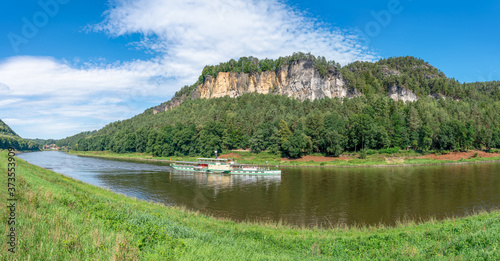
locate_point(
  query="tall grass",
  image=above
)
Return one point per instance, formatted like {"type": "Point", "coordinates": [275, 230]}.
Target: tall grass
{"type": "Point", "coordinates": [65, 219]}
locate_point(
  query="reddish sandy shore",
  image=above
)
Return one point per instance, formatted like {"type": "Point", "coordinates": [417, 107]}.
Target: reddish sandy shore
{"type": "Point", "coordinates": [450, 156]}
{"type": "Point", "coordinates": [230, 156]}
{"type": "Point", "coordinates": [460, 155]}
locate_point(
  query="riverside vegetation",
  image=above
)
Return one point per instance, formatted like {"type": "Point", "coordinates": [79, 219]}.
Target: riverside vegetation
{"type": "Point", "coordinates": [60, 218]}
{"type": "Point", "coordinates": [384, 157]}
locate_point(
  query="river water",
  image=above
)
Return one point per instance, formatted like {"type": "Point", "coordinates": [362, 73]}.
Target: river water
{"type": "Point", "coordinates": [305, 197]}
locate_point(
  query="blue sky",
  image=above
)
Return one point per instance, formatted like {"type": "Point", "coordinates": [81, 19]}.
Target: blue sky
{"type": "Point", "coordinates": [68, 66]}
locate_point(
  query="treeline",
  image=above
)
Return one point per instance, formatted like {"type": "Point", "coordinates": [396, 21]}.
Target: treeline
{"type": "Point", "coordinates": [70, 141]}
{"type": "Point", "coordinates": [17, 143]}
{"type": "Point", "coordinates": [292, 128]}
{"type": "Point", "coordinates": [10, 139]}
{"type": "Point", "coordinates": [6, 130]}
{"type": "Point", "coordinates": [254, 65]}
{"type": "Point", "coordinates": [416, 75]}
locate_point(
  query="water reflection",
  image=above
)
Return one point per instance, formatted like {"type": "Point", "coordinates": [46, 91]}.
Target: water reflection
{"type": "Point", "coordinates": [301, 196]}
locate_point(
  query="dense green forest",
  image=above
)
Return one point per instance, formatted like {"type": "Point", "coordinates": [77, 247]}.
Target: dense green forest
{"type": "Point", "coordinates": [70, 141]}
{"type": "Point", "coordinates": [447, 116]}
{"type": "Point", "coordinates": [8, 138]}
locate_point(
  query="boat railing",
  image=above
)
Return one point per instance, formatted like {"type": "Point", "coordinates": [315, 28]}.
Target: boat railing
{"type": "Point", "coordinates": [184, 165]}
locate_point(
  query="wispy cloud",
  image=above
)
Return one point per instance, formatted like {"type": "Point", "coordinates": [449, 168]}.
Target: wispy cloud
{"type": "Point", "coordinates": [200, 32]}
{"type": "Point", "coordinates": [183, 35]}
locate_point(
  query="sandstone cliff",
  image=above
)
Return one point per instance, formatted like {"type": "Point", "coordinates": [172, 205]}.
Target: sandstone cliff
{"type": "Point", "coordinates": [300, 80]}
{"type": "Point", "coordinates": [401, 94]}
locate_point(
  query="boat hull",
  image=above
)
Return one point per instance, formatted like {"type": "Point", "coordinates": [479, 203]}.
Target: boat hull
{"type": "Point", "coordinates": [193, 169]}
{"type": "Point", "coordinates": [255, 172]}
{"type": "Point", "coordinates": [233, 172]}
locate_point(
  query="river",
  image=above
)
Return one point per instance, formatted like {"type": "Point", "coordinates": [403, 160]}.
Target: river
{"type": "Point", "coordinates": [304, 197]}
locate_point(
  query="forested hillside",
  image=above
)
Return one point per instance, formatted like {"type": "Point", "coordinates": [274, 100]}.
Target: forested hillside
{"type": "Point", "coordinates": [448, 115]}
{"type": "Point", "coordinates": [8, 138]}
{"type": "Point", "coordinates": [6, 130]}
{"type": "Point", "coordinates": [70, 141]}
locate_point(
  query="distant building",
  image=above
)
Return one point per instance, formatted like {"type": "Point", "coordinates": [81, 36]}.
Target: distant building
{"type": "Point", "coordinates": [51, 147]}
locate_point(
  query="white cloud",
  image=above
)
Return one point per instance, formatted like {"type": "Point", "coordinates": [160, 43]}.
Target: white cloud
{"type": "Point", "coordinates": [47, 98]}
{"type": "Point", "coordinates": [7, 102]}
{"type": "Point", "coordinates": [42, 89]}
{"type": "Point", "coordinates": [194, 33]}
{"type": "Point", "coordinates": [30, 76]}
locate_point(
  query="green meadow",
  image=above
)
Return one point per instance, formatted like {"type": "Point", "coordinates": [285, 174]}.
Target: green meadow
{"type": "Point", "coordinates": [59, 218]}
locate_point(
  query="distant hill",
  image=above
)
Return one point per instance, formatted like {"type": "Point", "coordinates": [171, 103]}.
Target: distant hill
{"type": "Point", "coordinates": [69, 141]}
{"type": "Point", "coordinates": [6, 130]}
{"type": "Point", "coordinates": [72, 141]}
{"type": "Point", "coordinates": [303, 104]}
{"type": "Point", "coordinates": [8, 138]}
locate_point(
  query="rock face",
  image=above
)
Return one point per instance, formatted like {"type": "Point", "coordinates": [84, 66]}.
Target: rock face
{"type": "Point", "coordinates": [299, 80]}
{"type": "Point", "coordinates": [389, 72]}
{"type": "Point", "coordinates": [401, 94]}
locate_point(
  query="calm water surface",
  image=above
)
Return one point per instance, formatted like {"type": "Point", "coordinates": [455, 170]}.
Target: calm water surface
{"type": "Point", "coordinates": [301, 196]}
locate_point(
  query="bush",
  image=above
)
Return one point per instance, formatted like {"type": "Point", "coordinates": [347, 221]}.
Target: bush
{"type": "Point", "coordinates": [362, 154]}
{"type": "Point", "coordinates": [389, 150]}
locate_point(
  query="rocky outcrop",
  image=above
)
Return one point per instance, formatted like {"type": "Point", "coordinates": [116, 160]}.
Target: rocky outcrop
{"type": "Point", "coordinates": [176, 101]}
{"type": "Point", "coordinates": [389, 72]}
{"type": "Point", "coordinates": [299, 80]}
{"type": "Point", "coordinates": [437, 96]}
{"type": "Point", "coordinates": [398, 93]}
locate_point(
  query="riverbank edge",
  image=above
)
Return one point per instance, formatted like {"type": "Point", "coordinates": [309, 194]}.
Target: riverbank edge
{"type": "Point", "coordinates": [430, 163]}
{"type": "Point", "coordinates": [50, 203]}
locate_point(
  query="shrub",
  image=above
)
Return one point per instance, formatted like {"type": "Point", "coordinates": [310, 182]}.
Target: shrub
{"type": "Point", "coordinates": [389, 150]}
{"type": "Point", "coordinates": [362, 154]}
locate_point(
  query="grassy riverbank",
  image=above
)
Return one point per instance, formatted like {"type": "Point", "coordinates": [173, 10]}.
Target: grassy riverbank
{"type": "Point", "coordinates": [58, 218]}
{"type": "Point", "coordinates": [402, 158]}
